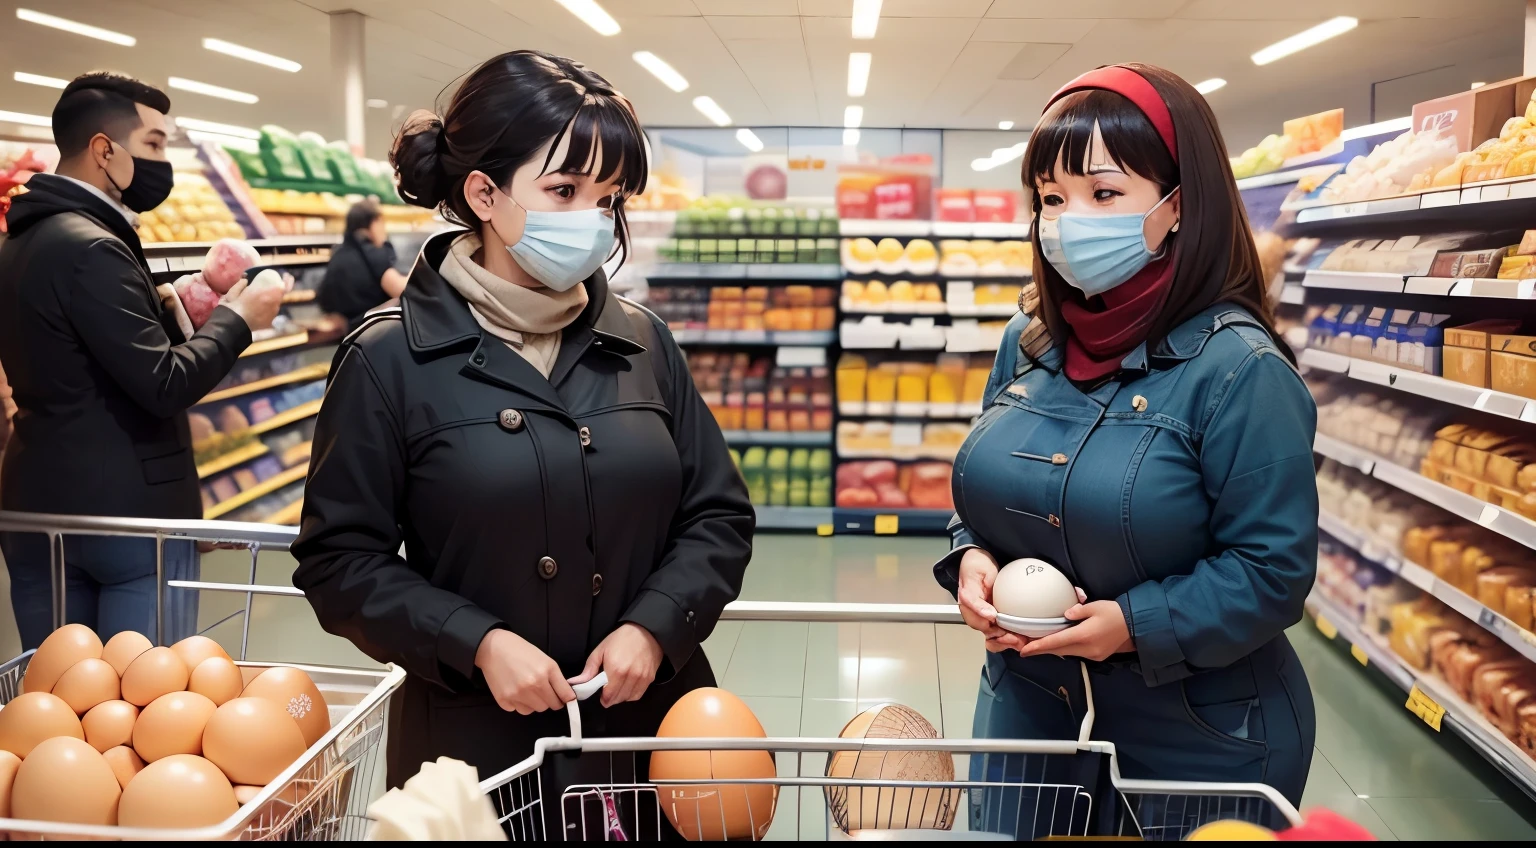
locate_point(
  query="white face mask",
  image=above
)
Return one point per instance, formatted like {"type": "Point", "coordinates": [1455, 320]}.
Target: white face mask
{"type": "Point", "coordinates": [562, 249]}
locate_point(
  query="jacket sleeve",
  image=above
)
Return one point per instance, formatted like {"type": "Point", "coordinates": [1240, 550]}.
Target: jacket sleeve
{"type": "Point", "coordinates": [1256, 460]}
{"type": "Point", "coordinates": [710, 542]}
{"type": "Point", "coordinates": [111, 309]}
{"type": "Point", "coordinates": [348, 547]}
{"type": "Point", "coordinates": [961, 539]}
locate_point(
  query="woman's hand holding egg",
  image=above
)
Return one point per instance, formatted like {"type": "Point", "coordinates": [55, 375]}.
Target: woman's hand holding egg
{"type": "Point", "coordinates": [1100, 632]}
{"type": "Point", "coordinates": [978, 571]}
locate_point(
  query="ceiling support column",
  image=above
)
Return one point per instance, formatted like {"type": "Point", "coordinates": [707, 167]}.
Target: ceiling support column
{"type": "Point", "coordinates": [347, 63]}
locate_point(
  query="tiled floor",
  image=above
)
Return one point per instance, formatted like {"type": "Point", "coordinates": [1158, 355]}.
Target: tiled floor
{"type": "Point", "coordinates": [1375, 762]}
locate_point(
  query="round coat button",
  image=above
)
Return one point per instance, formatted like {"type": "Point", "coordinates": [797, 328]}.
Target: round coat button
{"type": "Point", "coordinates": [511, 420]}
{"type": "Point", "coordinates": [597, 584]}
{"type": "Point", "coordinates": [586, 437]}
{"type": "Point", "coordinates": [479, 359]}
{"type": "Point", "coordinates": [547, 568]}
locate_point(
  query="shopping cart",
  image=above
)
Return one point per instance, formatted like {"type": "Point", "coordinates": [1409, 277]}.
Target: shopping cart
{"type": "Point", "coordinates": [1025, 789]}
{"type": "Point", "coordinates": [325, 794]}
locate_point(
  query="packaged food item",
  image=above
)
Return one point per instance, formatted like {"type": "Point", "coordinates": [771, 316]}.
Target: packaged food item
{"type": "Point", "coordinates": [1466, 350]}
{"type": "Point", "coordinates": [1512, 364]}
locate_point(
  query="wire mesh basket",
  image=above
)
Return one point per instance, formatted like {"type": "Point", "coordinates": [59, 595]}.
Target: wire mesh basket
{"type": "Point", "coordinates": [323, 796]}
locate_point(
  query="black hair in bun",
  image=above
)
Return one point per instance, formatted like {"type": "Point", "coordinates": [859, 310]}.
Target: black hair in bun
{"type": "Point", "coordinates": [418, 162]}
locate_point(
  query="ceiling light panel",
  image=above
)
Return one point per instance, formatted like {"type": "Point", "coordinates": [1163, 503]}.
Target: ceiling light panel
{"type": "Point", "coordinates": [1210, 85]}
{"type": "Point", "coordinates": [711, 110]}
{"type": "Point", "coordinates": [39, 79]}
{"type": "Point", "coordinates": [1304, 39]}
{"type": "Point", "coordinates": [853, 116]}
{"type": "Point", "coordinates": [858, 74]}
{"type": "Point", "coordinates": [593, 15]}
{"type": "Point", "coordinates": [749, 140]}
{"type": "Point", "coordinates": [850, 137]}
{"type": "Point", "coordinates": [661, 70]}
{"type": "Point", "coordinates": [216, 127]}
{"type": "Point", "coordinates": [23, 118]}
{"type": "Point", "coordinates": [250, 55]}
{"type": "Point", "coordinates": [75, 27]}
{"type": "Point", "coordinates": [866, 18]}
{"type": "Point", "coordinates": [1005, 125]}
{"type": "Point", "coordinates": [219, 91]}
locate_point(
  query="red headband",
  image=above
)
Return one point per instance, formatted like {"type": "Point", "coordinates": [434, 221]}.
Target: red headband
{"type": "Point", "coordinates": [1133, 87]}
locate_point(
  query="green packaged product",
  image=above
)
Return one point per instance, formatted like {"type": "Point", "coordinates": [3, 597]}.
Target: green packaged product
{"type": "Point", "coordinates": [789, 222]}
{"type": "Point", "coordinates": [317, 161]}
{"type": "Point", "coordinates": [764, 251]}
{"type": "Point", "coordinates": [280, 151]}
{"type": "Point", "coordinates": [687, 250]}
{"type": "Point", "coordinates": [754, 221]}
{"type": "Point", "coordinates": [829, 226]}
{"type": "Point", "coordinates": [712, 223]}
{"type": "Point", "coordinates": [682, 225]}
{"type": "Point", "coordinates": [667, 250]}
{"type": "Point", "coordinates": [810, 223]}
{"type": "Point", "coordinates": [821, 478]}
{"type": "Point", "coordinates": [736, 222]}
{"type": "Point", "coordinates": [754, 474]}
{"type": "Point", "coordinates": [826, 252]}
{"type": "Point", "coordinates": [785, 251]}
{"type": "Point", "coordinates": [726, 250]}
{"type": "Point", "coordinates": [709, 250]}
{"type": "Point", "coordinates": [746, 250]}
{"type": "Point", "coordinates": [770, 222]}
{"type": "Point", "coordinates": [805, 250]}
{"type": "Point", "coordinates": [799, 491]}
{"type": "Point", "coordinates": [344, 168]}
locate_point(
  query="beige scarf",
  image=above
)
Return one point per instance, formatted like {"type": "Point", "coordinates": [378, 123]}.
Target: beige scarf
{"type": "Point", "coordinates": [529, 320]}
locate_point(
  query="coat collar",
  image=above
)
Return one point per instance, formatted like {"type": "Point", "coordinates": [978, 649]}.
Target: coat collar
{"type": "Point", "coordinates": [1182, 343]}
{"type": "Point", "coordinates": [437, 318]}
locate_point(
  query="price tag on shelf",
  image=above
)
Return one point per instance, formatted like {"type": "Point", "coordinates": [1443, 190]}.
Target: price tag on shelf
{"type": "Point", "coordinates": [1425, 707]}
{"type": "Point", "coordinates": [906, 434]}
{"type": "Point", "coordinates": [823, 529]}
{"type": "Point", "coordinates": [1359, 654]}
{"type": "Point", "coordinates": [887, 525]}
{"type": "Point", "coordinates": [1489, 515]}
{"type": "Point", "coordinates": [1349, 210]}
{"type": "Point", "coordinates": [1489, 620]}
{"type": "Point", "coordinates": [1437, 199]}
{"type": "Point", "coordinates": [1326, 627]}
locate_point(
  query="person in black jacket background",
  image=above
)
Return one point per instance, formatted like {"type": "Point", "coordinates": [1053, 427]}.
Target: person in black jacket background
{"type": "Point", "coordinates": [101, 376]}
{"type": "Point", "coordinates": [361, 274]}
{"type": "Point", "coordinates": [565, 499]}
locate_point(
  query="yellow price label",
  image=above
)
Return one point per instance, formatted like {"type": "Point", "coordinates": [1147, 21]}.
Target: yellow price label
{"type": "Point", "coordinates": [887, 525]}
{"type": "Point", "coordinates": [1425, 707]}
{"type": "Point", "coordinates": [1326, 627]}
{"type": "Point", "coordinates": [823, 529]}
{"type": "Point", "coordinates": [1359, 654]}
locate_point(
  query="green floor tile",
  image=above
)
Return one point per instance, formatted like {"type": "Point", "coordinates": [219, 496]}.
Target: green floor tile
{"type": "Point", "coordinates": [961, 655]}
{"type": "Point", "coordinates": [721, 644]}
{"type": "Point", "coordinates": [769, 660]}
{"type": "Point", "coordinates": [832, 661]}
{"type": "Point", "coordinates": [1452, 818]}
{"type": "Point", "coordinates": [1326, 788]}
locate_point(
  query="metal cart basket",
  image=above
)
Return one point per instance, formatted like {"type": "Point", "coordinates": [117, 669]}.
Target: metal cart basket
{"type": "Point", "coordinates": [1022, 789]}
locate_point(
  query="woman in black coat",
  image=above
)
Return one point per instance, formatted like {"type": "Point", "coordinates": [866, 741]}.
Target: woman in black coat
{"type": "Point", "coordinates": [565, 500]}
{"type": "Point", "coordinates": [361, 274]}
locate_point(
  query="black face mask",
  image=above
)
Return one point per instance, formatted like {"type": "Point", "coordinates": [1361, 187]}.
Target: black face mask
{"type": "Point", "coordinates": [150, 186]}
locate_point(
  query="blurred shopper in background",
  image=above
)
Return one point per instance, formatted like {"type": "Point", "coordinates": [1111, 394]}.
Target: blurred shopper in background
{"type": "Point", "coordinates": [102, 377]}
{"type": "Point", "coordinates": [361, 274]}
{"type": "Point", "coordinates": [1157, 449]}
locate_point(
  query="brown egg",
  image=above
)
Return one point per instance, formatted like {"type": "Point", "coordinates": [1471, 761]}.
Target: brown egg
{"type": "Point", "coordinates": [194, 649]}
{"type": "Point", "coordinates": [702, 812]}
{"type": "Point", "coordinates": [61, 650]}
{"type": "Point", "coordinates": [157, 671]}
{"type": "Point", "coordinates": [178, 791]}
{"type": "Point", "coordinates": [252, 740]}
{"type": "Point", "coordinates": [87, 683]}
{"type": "Point", "coordinates": [9, 763]}
{"type": "Point", "coordinates": [109, 724]}
{"type": "Point", "coordinates": [124, 648]}
{"type": "Point", "coordinates": [124, 762]}
{"type": "Point", "coordinates": [65, 780]}
{"type": "Point", "coordinates": [218, 679]}
{"type": "Point", "coordinates": [172, 724]}
{"type": "Point", "coordinates": [298, 695]}
{"type": "Point", "coordinates": [31, 718]}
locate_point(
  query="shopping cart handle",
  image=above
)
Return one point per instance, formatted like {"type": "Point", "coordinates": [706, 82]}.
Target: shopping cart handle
{"type": "Point", "coordinates": [586, 690]}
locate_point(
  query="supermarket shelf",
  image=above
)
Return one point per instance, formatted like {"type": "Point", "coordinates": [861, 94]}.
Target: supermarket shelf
{"type": "Point", "coordinates": [1472, 287]}
{"type": "Point", "coordinates": [1496, 203]}
{"type": "Point", "coordinates": [1462, 718]}
{"type": "Point", "coordinates": [298, 375]}
{"type": "Point", "coordinates": [1293, 294]}
{"type": "Point", "coordinates": [277, 343]}
{"type": "Point", "coordinates": [286, 478]}
{"type": "Point", "coordinates": [231, 459]}
{"type": "Point", "coordinates": [793, 517]}
{"type": "Point", "coordinates": [814, 438]}
{"type": "Point", "coordinates": [1361, 281]}
{"type": "Point", "coordinates": [883, 522]}
{"type": "Point", "coordinates": [300, 296]}
{"type": "Point", "coordinates": [743, 271]}
{"type": "Point", "coordinates": [1499, 520]}
{"type": "Point", "coordinates": [978, 279]}
{"type": "Point", "coordinates": [940, 229]}
{"type": "Point", "coordinates": [912, 453]}
{"type": "Point", "coordinates": [294, 259]}
{"type": "Point", "coordinates": [288, 515]}
{"type": "Point", "coordinates": [989, 310]}
{"type": "Point", "coordinates": [1424, 385]}
{"type": "Point", "coordinates": [167, 248]}
{"type": "Point", "coordinates": [769, 338]}
{"type": "Point", "coordinates": [283, 419]}
{"type": "Point", "coordinates": [1510, 633]}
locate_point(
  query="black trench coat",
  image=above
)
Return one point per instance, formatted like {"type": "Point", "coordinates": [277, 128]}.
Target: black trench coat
{"type": "Point", "coordinates": [557, 509]}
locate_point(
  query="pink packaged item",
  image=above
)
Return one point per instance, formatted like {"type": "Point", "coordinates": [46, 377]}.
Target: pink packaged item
{"type": "Point", "coordinates": [226, 262]}
{"type": "Point", "coordinates": [197, 298]}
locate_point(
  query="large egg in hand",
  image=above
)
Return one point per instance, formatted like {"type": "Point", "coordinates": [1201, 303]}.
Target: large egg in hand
{"type": "Point", "coordinates": [1032, 588]}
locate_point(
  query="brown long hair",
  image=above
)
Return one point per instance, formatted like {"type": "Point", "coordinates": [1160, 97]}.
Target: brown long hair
{"type": "Point", "coordinates": [1214, 258]}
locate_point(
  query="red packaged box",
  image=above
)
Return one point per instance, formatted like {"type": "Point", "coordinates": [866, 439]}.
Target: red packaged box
{"type": "Point", "coordinates": [995, 207]}
{"type": "Point", "coordinates": [955, 204]}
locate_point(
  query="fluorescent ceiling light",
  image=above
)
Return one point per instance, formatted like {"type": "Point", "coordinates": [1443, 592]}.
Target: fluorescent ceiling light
{"type": "Point", "coordinates": [216, 127]}
{"type": "Point", "coordinates": [853, 116]}
{"type": "Point", "coordinates": [749, 140]}
{"type": "Point", "coordinates": [218, 91]}
{"type": "Point", "coordinates": [1478, 84]}
{"type": "Point", "coordinates": [866, 18]}
{"type": "Point", "coordinates": [661, 70]}
{"type": "Point", "coordinates": [1005, 125]}
{"type": "Point", "coordinates": [1304, 39]}
{"type": "Point", "coordinates": [850, 137]}
{"type": "Point", "coordinates": [249, 55]}
{"type": "Point", "coordinates": [1000, 156]}
{"type": "Point", "coordinates": [858, 74]}
{"type": "Point", "coordinates": [39, 79]}
{"type": "Point", "coordinates": [75, 27]}
{"type": "Point", "coordinates": [1394, 125]}
{"type": "Point", "coordinates": [23, 118]}
{"type": "Point", "coordinates": [1210, 85]}
{"type": "Point", "coordinates": [592, 15]}
{"type": "Point", "coordinates": [984, 164]}
{"type": "Point", "coordinates": [711, 110]}
{"type": "Point", "coordinates": [248, 145]}
{"type": "Point", "coordinates": [376, 103]}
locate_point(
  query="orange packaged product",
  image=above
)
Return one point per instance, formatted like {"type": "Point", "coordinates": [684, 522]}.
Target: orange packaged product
{"type": "Point", "coordinates": [802, 318]}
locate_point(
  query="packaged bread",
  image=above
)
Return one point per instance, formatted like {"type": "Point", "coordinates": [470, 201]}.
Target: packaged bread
{"type": "Point", "coordinates": [1488, 680]}
{"type": "Point", "coordinates": [1475, 560]}
{"type": "Point", "coordinates": [1517, 606]}
{"type": "Point", "coordinates": [1515, 693]}
{"type": "Point", "coordinates": [1527, 505]}
{"type": "Point", "coordinates": [1464, 661]}
{"type": "Point", "coordinates": [1412, 627]}
{"type": "Point", "coordinates": [1494, 582]}
{"type": "Point", "coordinates": [1525, 728]}
{"type": "Point", "coordinates": [1504, 464]}
{"type": "Point", "coordinates": [1525, 479]}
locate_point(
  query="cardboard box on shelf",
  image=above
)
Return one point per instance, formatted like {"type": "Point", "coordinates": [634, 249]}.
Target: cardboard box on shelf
{"type": "Point", "coordinates": [1512, 364]}
{"type": "Point", "coordinates": [1466, 350]}
{"type": "Point", "coordinates": [1472, 117]}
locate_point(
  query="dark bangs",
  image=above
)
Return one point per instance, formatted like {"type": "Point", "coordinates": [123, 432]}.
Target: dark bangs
{"type": "Point", "coordinates": [1066, 132]}
{"type": "Point", "coordinates": [606, 142]}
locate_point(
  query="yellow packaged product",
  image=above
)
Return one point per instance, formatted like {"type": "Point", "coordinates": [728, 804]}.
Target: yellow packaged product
{"type": "Point", "coordinates": [975, 385]}
{"type": "Point", "coordinates": [852, 371]}
{"type": "Point", "coordinates": [942, 387]}
{"type": "Point", "coordinates": [1523, 165]}
{"type": "Point", "coordinates": [912, 385]}
{"type": "Point", "coordinates": [881, 385]}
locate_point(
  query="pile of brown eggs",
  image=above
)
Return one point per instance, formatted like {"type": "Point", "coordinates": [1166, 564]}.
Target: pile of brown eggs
{"type": "Point", "coordinates": [133, 735]}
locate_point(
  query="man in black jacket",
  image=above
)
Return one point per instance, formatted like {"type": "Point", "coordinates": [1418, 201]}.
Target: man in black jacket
{"type": "Point", "coordinates": [101, 376]}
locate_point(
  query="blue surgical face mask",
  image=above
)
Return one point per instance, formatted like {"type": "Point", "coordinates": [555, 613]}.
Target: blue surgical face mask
{"type": "Point", "coordinates": [562, 249]}
{"type": "Point", "coordinates": [1096, 253]}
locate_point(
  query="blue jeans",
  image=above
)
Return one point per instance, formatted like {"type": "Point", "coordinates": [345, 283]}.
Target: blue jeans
{"type": "Point", "coordinates": [109, 585]}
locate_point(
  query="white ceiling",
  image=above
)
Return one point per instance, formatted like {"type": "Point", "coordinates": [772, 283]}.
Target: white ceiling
{"type": "Point", "coordinates": [937, 63]}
